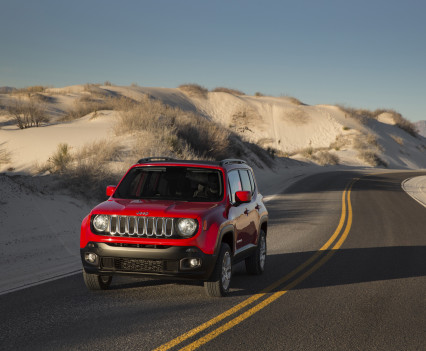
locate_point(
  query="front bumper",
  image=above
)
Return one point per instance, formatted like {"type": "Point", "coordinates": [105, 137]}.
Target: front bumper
{"type": "Point", "coordinates": [128, 259]}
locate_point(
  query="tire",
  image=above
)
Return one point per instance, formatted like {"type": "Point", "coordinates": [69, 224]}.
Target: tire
{"type": "Point", "coordinates": [96, 282]}
{"type": "Point", "coordinates": [255, 264]}
{"type": "Point", "coordinates": [220, 280]}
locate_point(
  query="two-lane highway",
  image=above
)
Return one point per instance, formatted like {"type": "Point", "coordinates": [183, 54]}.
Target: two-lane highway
{"type": "Point", "coordinates": [346, 269]}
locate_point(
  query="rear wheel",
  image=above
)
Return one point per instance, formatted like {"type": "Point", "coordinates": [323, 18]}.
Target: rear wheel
{"type": "Point", "coordinates": [220, 281]}
{"type": "Point", "coordinates": [96, 282]}
{"type": "Point", "coordinates": [255, 264]}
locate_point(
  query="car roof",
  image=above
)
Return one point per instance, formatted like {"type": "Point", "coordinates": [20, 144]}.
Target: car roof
{"type": "Point", "coordinates": [167, 160]}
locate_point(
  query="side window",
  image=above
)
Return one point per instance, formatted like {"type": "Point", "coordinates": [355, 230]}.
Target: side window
{"type": "Point", "coordinates": [245, 180]}
{"type": "Point", "coordinates": [234, 184]}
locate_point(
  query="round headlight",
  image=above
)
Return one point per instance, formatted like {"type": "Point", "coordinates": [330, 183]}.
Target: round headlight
{"type": "Point", "coordinates": [187, 226]}
{"type": "Point", "coordinates": [100, 222]}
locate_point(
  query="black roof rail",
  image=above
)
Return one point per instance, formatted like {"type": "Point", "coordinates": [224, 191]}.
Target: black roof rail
{"type": "Point", "coordinates": [229, 161]}
{"type": "Point", "coordinates": [156, 158]}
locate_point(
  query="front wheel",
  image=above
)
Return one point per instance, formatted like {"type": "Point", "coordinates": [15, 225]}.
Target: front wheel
{"type": "Point", "coordinates": [255, 264]}
{"type": "Point", "coordinates": [96, 282]}
{"type": "Point", "coordinates": [220, 280]}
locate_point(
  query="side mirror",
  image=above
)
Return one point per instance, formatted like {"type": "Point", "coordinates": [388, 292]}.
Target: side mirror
{"type": "Point", "coordinates": [110, 190]}
{"type": "Point", "coordinates": [242, 196]}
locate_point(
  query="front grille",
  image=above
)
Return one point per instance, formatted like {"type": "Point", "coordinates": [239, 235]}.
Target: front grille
{"type": "Point", "coordinates": [140, 226]}
{"type": "Point", "coordinates": [139, 265]}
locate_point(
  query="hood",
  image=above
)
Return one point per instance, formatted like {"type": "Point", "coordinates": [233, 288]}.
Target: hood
{"type": "Point", "coordinates": [154, 208]}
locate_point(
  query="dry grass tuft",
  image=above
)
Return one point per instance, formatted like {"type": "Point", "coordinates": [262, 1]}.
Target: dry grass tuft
{"type": "Point", "coordinates": [228, 90]}
{"type": "Point", "coordinates": [371, 158]}
{"type": "Point", "coordinates": [194, 90]}
{"type": "Point", "coordinates": [30, 90]}
{"type": "Point", "coordinates": [87, 104]}
{"type": "Point", "coordinates": [367, 147]}
{"type": "Point", "coordinates": [397, 139]}
{"type": "Point", "coordinates": [326, 158]}
{"type": "Point", "coordinates": [307, 152]}
{"type": "Point", "coordinates": [293, 100]}
{"type": "Point", "coordinates": [404, 124]}
{"type": "Point", "coordinates": [179, 130]}
{"type": "Point", "coordinates": [85, 171]}
{"type": "Point", "coordinates": [364, 115]}
{"type": "Point", "coordinates": [59, 162]}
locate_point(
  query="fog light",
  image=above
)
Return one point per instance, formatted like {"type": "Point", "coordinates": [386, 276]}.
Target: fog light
{"type": "Point", "coordinates": [194, 262]}
{"type": "Point", "coordinates": [91, 257]}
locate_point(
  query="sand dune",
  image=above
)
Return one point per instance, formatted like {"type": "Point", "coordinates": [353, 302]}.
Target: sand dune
{"type": "Point", "coordinates": [40, 224]}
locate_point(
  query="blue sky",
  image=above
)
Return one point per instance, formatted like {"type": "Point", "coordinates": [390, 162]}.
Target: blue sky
{"type": "Point", "coordinates": [366, 54]}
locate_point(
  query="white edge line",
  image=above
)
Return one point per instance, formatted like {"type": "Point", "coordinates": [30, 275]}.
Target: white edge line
{"type": "Point", "coordinates": [408, 193]}
{"type": "Point", "coordinates": [46, 280]}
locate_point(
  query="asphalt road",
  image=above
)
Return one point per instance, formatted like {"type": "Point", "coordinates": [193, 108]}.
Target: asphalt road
{"type": "Point", "coordinates": [346, 270]}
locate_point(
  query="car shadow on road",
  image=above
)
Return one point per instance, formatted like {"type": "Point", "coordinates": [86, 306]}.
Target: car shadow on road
{"type": "Point", "coordinates": [346, 266]}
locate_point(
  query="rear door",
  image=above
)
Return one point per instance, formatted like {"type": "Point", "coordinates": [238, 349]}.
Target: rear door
{"type": "Point", "coordinates": [236, 212]}
{"type": "Point", "coordinates": [250, 209]}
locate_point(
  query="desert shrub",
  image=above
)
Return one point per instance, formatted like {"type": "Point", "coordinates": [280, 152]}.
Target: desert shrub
{"type": "Point", "coordinates": [307, 152]}
{"type": "Point", "coordinates": [326, 158]}
{"type": "Point", "coordinates": [257, 93]}
{"type": "Point", "coordinates": [107, 83]}
{"type": "Point", "coordinates": [228, 90]}
{"type": "Point", "coordinates": [397, 139]}
{"type": "Point", "coordinates": [362, 115]}
{"type": "Point", "coordinates": [404, 124]}
{"type": "Point", "coordinates": [90, 179]}
{"type": "Point", "coordinates": [28, 113]}
{"type": "Point", "coordinates": [7, 90]}
{"type": "Point", "coordinates": [272, 152]}
{"type": "Point", "coordinates": [60, 161]}
{"type": "Point", "coordinates": [99, 151]}
{"type": "Point", "coordinates": [43, 98]}
{"type": "Point", "coordinates": [243, 115]}
{"type": "Point", "coordinates": [85, 171]}
{"type": "Point", "coordinates": [179, 129]}
{"type": "Point", "coordinates": [371, 158]}
{"type": "Point", "coordinates": [340, 142]}
{"type": "Point", "coordinates": [346, 128]}
{"type": "Point", "coordinates": [293, 100]}
{"type": "Point", "coordinates": [87, 104]}
{"type": "Point", "coordinates": [371, 139]}
{"type": "Point", "coordinates": [30, 90]}
{"type": "Point", "coordinates": [194, 90]}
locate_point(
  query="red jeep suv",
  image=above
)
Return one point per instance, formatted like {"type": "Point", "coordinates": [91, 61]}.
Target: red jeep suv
{"type": "Point", "coordinates": [180, 219]}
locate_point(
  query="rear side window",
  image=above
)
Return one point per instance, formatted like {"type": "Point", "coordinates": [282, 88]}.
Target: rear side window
{"type": "Point", "coordinates": [234, 184]}
{"type": "Point", "coordinates": [245, 180]}
{"type": "Point", "coordinates": [253, 186]}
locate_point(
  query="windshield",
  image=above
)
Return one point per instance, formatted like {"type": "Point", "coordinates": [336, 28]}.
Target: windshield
{"type": "Point", "coordinates": [172, 183]}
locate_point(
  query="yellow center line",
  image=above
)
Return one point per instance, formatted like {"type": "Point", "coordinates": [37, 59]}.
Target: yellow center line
{"type": "Point", "coordinates": [255, 297]}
